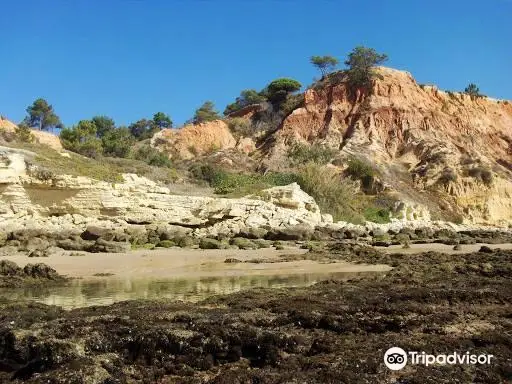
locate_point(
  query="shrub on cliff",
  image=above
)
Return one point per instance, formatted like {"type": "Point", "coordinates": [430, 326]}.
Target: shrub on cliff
{"type": "Point", "coordinates": [324, 64]}
{"type": "Point", "coordinates": [278, 90]}
{"type": "Point", "coordinates": [316, 153]}
{"type": "Point", "coordinates": [117, 142]}
{"type": "Point", "coordinates": [152, 156]}
{"type": "Point", "coordinates": [205, 112]}
{"type": "Point", "coordinates": [247, 97]}
{"type": "Point", "coordinates": [240, 127]}
{"type": "Point", "coordinates": [82, 139]}
{"type": "Point", "coordinates": [161, 120]}
{"type": "Point", "coordinates": [473, 91]}
{"type": "Point", "coordinates": [360, 63]}
{"type": "Point", "coordinates": [41, 115]}
{"type": "Point", "coordinates": [360, 170]}
{"type": "Point", "coordinates": [104, 124]}
{"type": "Point", "coordinates": [23, 133]}
{"type": "Point", "coordinates": [333, 194]}
{"type": "Point", "coordinates": [239, 184]}
{"type": "Point", "coordinates": [143, 129]}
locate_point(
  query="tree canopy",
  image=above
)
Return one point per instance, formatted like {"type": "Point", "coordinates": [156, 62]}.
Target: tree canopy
{"type": "Point", "coordinates": [473, 91]}
{"type": "Point", "coordinates": [117, 142]}
{"type": "Point", "coordinates": [247, 97]}
{"type": "Point", "coordinates": [324, 63]}
{"type": "Point", "coordinates": [42, 116]}
{"type": "Point", "coordinates": [103, 125]}
{"type": "Point", "coordinates": [278, 90]}
{"type": "Point", "coordinates": [360, 64]}
{"type": "Point", "coordinates": [82, 139]}
{"type": "Point", "coordinates": [161, 120]}
{"type": "Point", "coordinates": [143, 129]}
{"type": "Point", "coordinates": [205, 112]}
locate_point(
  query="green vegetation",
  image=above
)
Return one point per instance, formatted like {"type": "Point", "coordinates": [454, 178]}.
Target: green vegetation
{"type": "Point", "coordinates": [324, 64]}
{"type": "Point", "coordinates": [51, 162]}
{"type": "Point", "coordinates": [278, 90]}
{"type": "Point", "coordinates": [360, 63]}
{"type": "Point", "coordinates": [161, 120]}
{"type": "Point", "coordinates": [240, 127]}
{"type": "Point", "coordinates": [143, 129]}
{"type": "Point", "coordinates": [316, 153]}
{"type": "Point", "coordinates": [99, 137]}
{"type": "Point", "coordinates": [360, 170]}
{"type": "Point", "coordinates": [152, 156]}
{"type": "Point", "coordinates": [377, 215]}
{"type": "Point", "coordinates": [103, 125]}
{"type": "Point", "coordinates": [82, 139]}
{"type": "Point", "coordinates": [473, 91]}
{"type": "Point", "coordinates": [333, 194]}
{"type": "Point", "coordinates": [42, 116]}
{"type": "Point", "coordinates": [240, 184]}
{"type": "Point", "coordinates": [117, 142]}
{"type": "Point", "coordinates": [247, 97]}
{"type": "Point", "coordinates": [205, 112]}
{"type": "Point", "coordinates": [22, 133]}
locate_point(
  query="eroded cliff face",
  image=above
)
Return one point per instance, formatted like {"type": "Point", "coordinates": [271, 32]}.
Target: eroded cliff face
{"type": "Point", "coordinates": [193, 140]}
{"type": "Point", "coordinates": [40, 137]}
{"type": "Point", "coordinates": [63, 203]}
{"type": "Point", "coordinates": [421, 139]}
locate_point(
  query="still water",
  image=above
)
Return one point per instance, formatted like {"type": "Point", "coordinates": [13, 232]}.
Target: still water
{"type": "Point", "coordinates": [105, 291]}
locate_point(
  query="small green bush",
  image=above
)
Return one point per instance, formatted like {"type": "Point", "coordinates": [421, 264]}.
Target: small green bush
{"type": "Point", "coordinates": [24, 134]}
{"type": "Point", "coordinates": [152, 156]}
{"type": "Point", "coordinates": [359, 169]}
{"type": "Point", "coordinates": [333, 194]}
{"type": "Point", "coordinates": [317, 153]}
{"type": "Point", "coordinates": [240, 184]}
{"type": "Point", "coordinates": [377, 215]}
{"type": "Point", "coordinates": [240, 127]}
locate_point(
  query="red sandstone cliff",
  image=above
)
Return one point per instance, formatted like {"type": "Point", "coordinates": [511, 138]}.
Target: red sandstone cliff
{"type": "Point", "coordinates": [441, 141]}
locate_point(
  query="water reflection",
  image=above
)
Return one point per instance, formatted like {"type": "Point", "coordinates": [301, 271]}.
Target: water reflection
{"type": "Point", "coordinates": [105, 291]}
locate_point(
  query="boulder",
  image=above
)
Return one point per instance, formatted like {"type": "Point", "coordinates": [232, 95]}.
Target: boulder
{"type": "Point", "coordinates": [94, 233]}
{"type": "Point", "coordinates": [109, 246]}
{"type": "Point", "coordinates": [296, 232]}
{"type": "Point", "coordinates": [41, 271]}
{"type": "Point", "coordinates": [34, 244]}
{"type": "Point", "coordinates": [10, 268]}
{"type": "Point", "coordinates": [207, 243]}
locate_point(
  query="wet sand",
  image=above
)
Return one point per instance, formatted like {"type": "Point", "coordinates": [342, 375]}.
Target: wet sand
{"type": "Point", "coordinates": [187, 263]}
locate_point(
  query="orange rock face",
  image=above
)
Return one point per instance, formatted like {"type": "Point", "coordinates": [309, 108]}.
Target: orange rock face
{"type": "Point", "coordinates": [41, 137]}
{"type": "Point", "coordinates": [193, 140]}
{"type": "Point", "coordinates": [399, 115]}
{"type": "Point", "coordinates": [418, 128]}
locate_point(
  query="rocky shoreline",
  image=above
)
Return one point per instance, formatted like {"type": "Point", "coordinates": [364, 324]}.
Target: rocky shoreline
{"type": "Point", "coordinates": [13, 276]}
{"type": "Point", "coordinates": [40, 240]}
{"type": "Point", "coordinates": [332, 332]}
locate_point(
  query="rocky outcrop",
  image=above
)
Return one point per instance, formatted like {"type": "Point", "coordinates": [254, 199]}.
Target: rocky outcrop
{"type": "Point", "coordinates": [40, 137]}
{"type": "Point", "coordinates": [194, 140]}
{"type": "Point", "coordinates": [420, 138]}
{"type": "Point", "coordinates": [11, 275]}
{"type": "Point", "coordinates": [63, 207]}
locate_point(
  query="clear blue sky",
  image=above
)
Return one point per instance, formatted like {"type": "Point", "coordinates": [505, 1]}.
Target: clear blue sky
{"type": "Point", "coordinates": [129, 59]}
